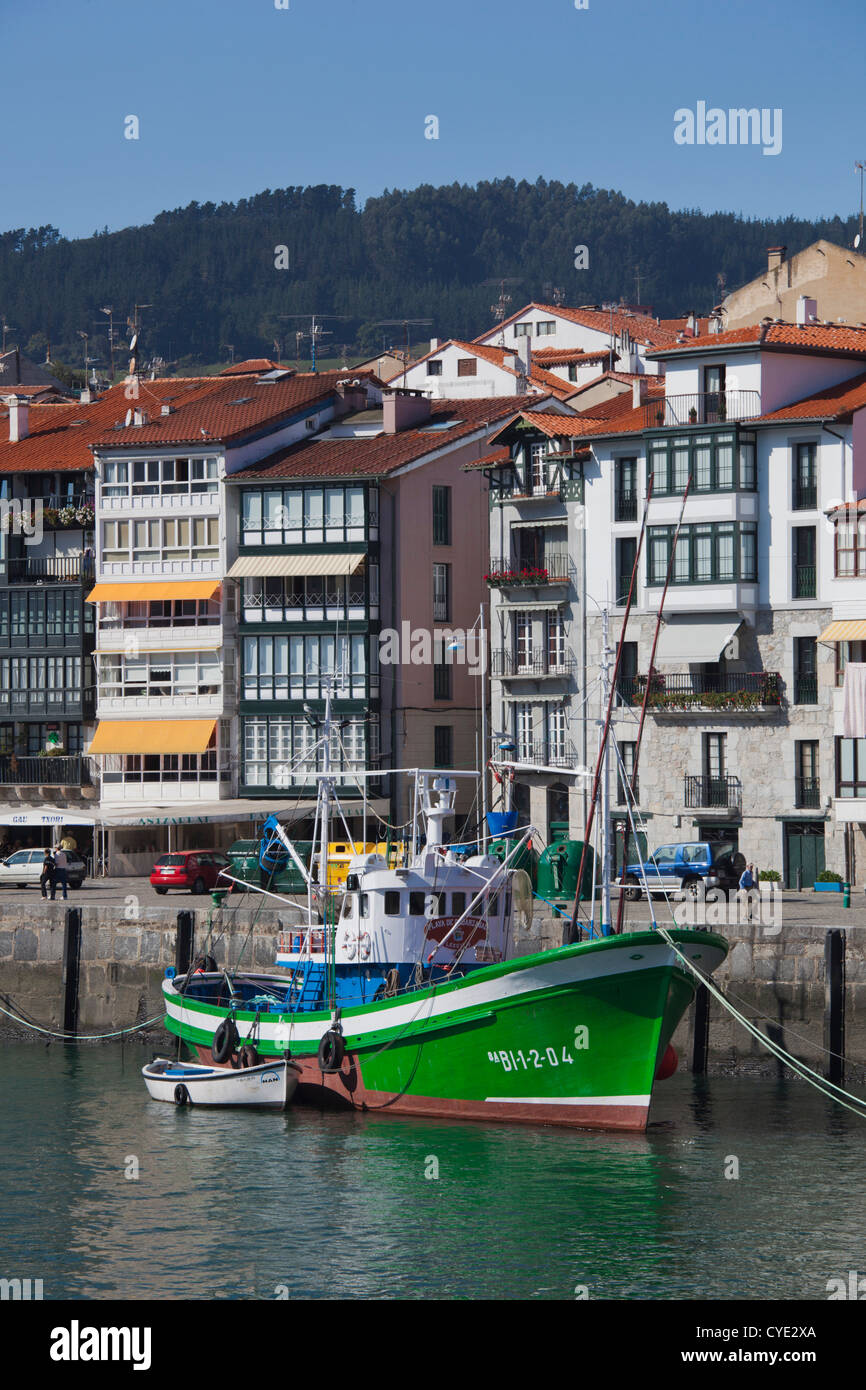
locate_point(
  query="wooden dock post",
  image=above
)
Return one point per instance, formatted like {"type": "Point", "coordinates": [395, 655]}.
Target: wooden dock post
{"type": "Point", "coordinates": [183, 942]}
{"type": "Point", "coordinates": [701, 1036]}
{"type": "Point", "coordinates": [834, 1004]}
{"type": "Point", "coordinates": [71, 968]}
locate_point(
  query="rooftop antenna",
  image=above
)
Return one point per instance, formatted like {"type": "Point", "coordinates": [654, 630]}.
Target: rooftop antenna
{"type": "Point", "coordinates": [231, 351]}
{"type": "Point", "coordinates": [637, 283]}
{"type": "Point", "coordinates": [85, 336]}
{"type": "Point", "coordinates": [134, 326]}
{"type": "Point", "coordinates": [858, 240]}
{"type": "Point", "coordinates": [110, 312]}
{"type": "Point", "coordinates": [553, 294]}
{"type": "Point", "coordinates": [499, 310]}
{"type": "Point", "coordinates": [316, 331]}
{"type": "Point", "coordinates": [405, 325]}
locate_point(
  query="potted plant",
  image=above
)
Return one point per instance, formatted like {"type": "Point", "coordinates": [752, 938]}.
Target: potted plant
{"type": "Point", "coordinates": [828, 882]}
{"type": "Point", "coordinates": [693, 415]}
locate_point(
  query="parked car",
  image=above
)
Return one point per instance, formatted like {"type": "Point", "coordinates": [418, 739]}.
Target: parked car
{"type": "Point", "coordinates": [684, 866]}
{"type": "Point", "coordinates": [195, 870]}
{"type": "Point", "coordinates": [24, 868]}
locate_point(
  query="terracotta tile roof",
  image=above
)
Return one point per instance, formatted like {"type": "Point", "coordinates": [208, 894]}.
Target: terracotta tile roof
{"type": "Point", "coordinates": [377, 455]}
{"type": "Point", "coordinates": [224, 408]}
{"type": "Point", "coordinates": [681, 325]}
{"type": "Point", "coordinates": [617, 415]}
{"type": "Point", "coordinates": [642, 328]}
{"type": "Point", "coordinates": [254, 366]}
{"type": "Point", "coordinates": [810, 337]}
{"type": "Point", "coordinates": [833, 403]}
{"type": "Point", "coordinates": [493, 460]}
{"type": "Point", "coordinates": [568, 357]}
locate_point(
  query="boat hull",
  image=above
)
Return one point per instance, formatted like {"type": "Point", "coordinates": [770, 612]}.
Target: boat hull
{"type": "Point", "coordinates": [266, 1087]}
{"type": "Point", "coordinates": [566, 1037]}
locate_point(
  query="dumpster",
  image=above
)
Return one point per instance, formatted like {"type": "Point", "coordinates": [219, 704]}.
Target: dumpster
{"type": "Point", "coordinates": [558, 867]}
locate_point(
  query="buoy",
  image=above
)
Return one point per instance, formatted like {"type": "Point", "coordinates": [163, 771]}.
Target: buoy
{"type": "Point", "coordinates": [668, 1064]}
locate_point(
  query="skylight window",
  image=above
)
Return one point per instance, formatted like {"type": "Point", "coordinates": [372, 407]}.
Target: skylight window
{"type": "Point", "coordinates": [242, 400]}
{"type": "Point", "coordinates": [439, 426]}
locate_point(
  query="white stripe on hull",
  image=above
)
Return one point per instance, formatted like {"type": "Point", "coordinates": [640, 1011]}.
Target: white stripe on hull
{"type": "Point", "coordinates": [568, 1100]}
{"type": "Point", "coordinates": [544, 975]}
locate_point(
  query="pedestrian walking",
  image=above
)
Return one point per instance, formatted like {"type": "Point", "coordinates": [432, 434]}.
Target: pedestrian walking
{"type": "Point", "coordinates": [61, 865]}
{"type": "Point", "coordinates": [748, 883]}
{"type": "Point", "coordinates": [46, 877]}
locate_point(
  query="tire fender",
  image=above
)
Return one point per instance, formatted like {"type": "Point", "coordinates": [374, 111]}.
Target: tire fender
{"type": "Point", "coordinates": [225, 1040]}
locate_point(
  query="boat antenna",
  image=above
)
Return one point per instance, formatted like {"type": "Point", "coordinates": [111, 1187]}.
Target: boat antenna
{"type": "Point", "coordinates": [649, 681]}
{"type": "Point", "coordinates": [573, 934]}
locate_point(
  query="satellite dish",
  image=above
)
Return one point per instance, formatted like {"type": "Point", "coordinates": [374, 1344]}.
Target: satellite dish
{"type": "Point", "coordinates": [133, 342]}
{"type": "Point", "coordinates": [857, 241]}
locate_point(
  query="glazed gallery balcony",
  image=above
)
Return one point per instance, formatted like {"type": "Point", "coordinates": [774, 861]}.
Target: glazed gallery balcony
{"type": "Point", "coordinates": [687, 692]}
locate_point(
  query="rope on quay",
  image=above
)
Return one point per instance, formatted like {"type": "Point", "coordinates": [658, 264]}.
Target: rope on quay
{"type": "Point", "coordinates": [81, 1037]}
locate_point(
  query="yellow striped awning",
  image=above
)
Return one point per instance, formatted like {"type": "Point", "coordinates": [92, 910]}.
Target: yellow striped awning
{"type": "Point", "coordinates": [847, 630]}
{"type": "Point", "coordinates": [267, 566]}
{"type": "Point", "coordinates": [153, 591]}
{"type": "Point", "coordinates": [152, 736]}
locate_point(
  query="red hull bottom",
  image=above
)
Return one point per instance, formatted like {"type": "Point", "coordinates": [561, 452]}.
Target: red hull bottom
{"type": "Point", "coordinates": [345, 1090]}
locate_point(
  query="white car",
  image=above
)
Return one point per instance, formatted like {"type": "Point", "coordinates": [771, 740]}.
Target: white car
{"type": "Point", "coordinates": [24, 868]}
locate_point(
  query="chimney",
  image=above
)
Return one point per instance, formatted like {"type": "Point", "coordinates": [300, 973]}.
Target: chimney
{"type": "Point", "coordinates": [85, 396]}
{"type": "Point", "coordinates": [19, 419]}
{"type": "Point", "coordinates": [351, 395]}
{"type": "Point", "coordinates": [403, 410]}
{"type": "Point", "coordinates": [692, 323]}
{"type": "Point", "coordinates": [512, 362]}
{"type": "Point", "coordinates": [807, 310]}
{"type": "Point", "coordinates": [139, 418]}
{"type": "Point", "coordinates": [775, 257]}
{"type": "Point", "coordinates": [434, 343]}
{"type": "Point", "coordinates": [527, 369]}
{"type": "Point", "coordinates": [639, 392]}
{"type": "Point", "coordinates": [714, 324]}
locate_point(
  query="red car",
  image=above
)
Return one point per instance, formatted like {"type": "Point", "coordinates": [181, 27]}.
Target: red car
{"type": "Point", "coordinates": [196, 870]}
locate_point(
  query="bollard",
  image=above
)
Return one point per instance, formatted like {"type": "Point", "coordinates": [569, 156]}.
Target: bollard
{"type": "Point", "coordinates": [846, 895]}
{"type": "Point", "coordinates": [834, 1004]}
{"type": "Point", "coordinates": [71, 968]}
{"type": "Point", "coordinates": [183, 942]}
{"type": "Point", "coordinates": [701, 1036]}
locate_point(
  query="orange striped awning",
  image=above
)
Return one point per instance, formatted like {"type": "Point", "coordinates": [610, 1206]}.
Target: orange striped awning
{"type": "Point", "coordinates": [153, 591]}
{"type": "Point", "coordinates": [847, 630]}
{"type": "Point", "coordinates": [152, 736]}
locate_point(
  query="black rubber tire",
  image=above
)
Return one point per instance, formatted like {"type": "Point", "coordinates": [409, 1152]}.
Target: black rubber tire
{"type": "Point", "coordinates": [181, 1094]}
{"type": "Point", "coordinates": [632, 889]}
{"type": "Point", "coordinates": [22, 885]}
{"type": "Point", "coordinates": [199, 887]}
{"type": "Point", "coordinates": [225, 1040]}
{"type": "Point", "coordinates": [331, 1052]}
{"type": "Point", "coordinates": [689, 887]}
{"type": "Point", "coordinates": [76, 885]}
{"type": "Point", "coordinates": [161, 891]}
{"type": "Point", "coordinates": [248, 1056]}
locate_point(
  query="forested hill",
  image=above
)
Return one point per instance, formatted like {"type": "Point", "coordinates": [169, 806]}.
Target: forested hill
{"type": "Point", "coordinates": [209, 270]}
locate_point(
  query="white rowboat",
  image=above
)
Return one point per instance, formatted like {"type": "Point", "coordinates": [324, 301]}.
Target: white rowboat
{"type": "Point", "coordinates": [270, 1085]}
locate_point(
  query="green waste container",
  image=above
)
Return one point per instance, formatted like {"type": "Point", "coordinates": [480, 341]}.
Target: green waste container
{"type": "Point", "coordinates": [558, 867]}
{"type": "Point", "coordinates": [526, 857]}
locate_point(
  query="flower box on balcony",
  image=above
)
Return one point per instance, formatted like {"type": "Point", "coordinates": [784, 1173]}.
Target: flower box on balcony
{"type": "Point", "coordinates": [523, 576]}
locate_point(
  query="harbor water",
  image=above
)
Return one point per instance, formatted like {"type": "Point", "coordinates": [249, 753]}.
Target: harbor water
{"type": "Point", "coordinates": [741, 1188]}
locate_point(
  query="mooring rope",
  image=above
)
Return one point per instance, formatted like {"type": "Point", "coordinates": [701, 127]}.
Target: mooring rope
{"type": "Point", "coordinates": [81, 1037]}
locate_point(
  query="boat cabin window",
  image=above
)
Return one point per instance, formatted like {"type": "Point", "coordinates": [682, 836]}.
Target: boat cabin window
{"type": "Point", "coordinates": [348, 905]}
{"type": "Point", "coordinates": [435, 905]}
{"type": "Point", "coordinates": [416, 904]}
{"type": "Point", "coordinates": [364, 900]}
{"type": "Point", "coordinates": [493, 906]}
{"type": "Point", "coordinates": [458, 903]}
{"type": "Point", "coordinates": [352, 881]}
{"type": "Point", "coordinates": [392, 903]}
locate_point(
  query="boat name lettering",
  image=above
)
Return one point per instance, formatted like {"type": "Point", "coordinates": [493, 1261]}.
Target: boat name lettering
{"type": "Point", "coordinates": [533, 1057]}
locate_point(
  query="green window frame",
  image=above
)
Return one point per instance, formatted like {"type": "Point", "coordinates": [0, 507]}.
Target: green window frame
{"type": "Point", "coordinates": [707, 553]}
{"type": "Point", "coordinates": [717, 462]}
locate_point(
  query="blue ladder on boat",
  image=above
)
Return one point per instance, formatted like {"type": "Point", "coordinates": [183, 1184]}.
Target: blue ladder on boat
{"type": "Point", "coordinates": [313, 987]}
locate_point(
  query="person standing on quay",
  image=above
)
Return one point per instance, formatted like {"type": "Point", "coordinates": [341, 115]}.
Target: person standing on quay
{"type": "Point", "coordinates": [46, 878]}
{"type": "Point", "coordinates": [61, 864]}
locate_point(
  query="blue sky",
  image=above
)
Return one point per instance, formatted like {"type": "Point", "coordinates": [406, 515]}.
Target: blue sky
{"type": "Point", "coordinates": [235, 96]}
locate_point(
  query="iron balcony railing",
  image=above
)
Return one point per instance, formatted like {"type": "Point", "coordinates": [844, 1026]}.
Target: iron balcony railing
{"type": "Point", "coordinates": [701, 408]}
{"type": "Point", "coordinates": [805, 497]}
{"type": "Point", "coordinates": [807, 793]}
{"type": "Point", "coordinates": [683, 690]}
{"type": "Point", "coordinates": [51, 569]}
{"type": "Point", "coordinates": [712, 793]}
{"type": "Point", "coordinates": [626, 506]}
{"type": "Point", "coordinates": [532, 663]}
{"type": "Point", "coordinates": [805, 689]}
{"type": "Point", "coordinates": [44, 771]}
{"type": "Point", "coordinates": [554, 568]}
{"type": "Point", "coordinates": [553, 753]}
{"type": "Point", "coordinates": [804, 581]}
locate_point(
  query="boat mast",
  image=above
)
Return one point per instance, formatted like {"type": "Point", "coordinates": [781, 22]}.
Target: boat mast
{"type": "Point", "coordinates": [605, 778]}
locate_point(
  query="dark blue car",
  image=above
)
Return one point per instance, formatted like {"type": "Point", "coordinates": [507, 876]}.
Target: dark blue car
{"type": "Point", "coordinates": [684, 866]}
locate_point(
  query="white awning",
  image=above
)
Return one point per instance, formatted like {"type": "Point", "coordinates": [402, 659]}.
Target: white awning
{"type": "Point", "coordinates": [205, 813]}
{"type": "Point", "coordinates": [692, 639]}
{"type": "Point", "coordinates": [41, 815]}
{"type": "Point", "coordinates": [266, 566]}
